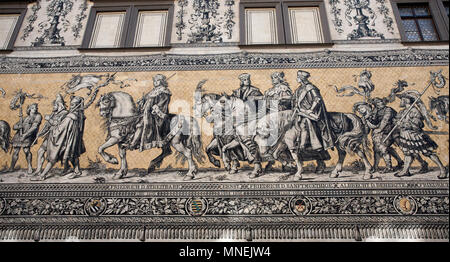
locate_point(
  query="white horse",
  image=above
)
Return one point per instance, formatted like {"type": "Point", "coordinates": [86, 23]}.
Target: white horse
{"type": "Point", "coordinates": [350, 133]}
{"type": "Point", "coordinates": [120, 111]}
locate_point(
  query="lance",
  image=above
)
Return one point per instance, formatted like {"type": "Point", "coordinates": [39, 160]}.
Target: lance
{"type": "Point", "coordinates": [407, 111]}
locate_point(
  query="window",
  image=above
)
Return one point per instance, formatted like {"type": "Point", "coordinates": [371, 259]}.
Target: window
{"type": "Point", "coordinates": [420, 20]}
{"type": "Point", "coordinates": [145, 24]}
{"type": "Point", "coordinates": [11, 17]}
{"type": "Point", "coordinates": [283, 22]}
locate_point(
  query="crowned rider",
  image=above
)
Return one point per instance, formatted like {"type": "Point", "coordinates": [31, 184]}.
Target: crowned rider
{"type": "Point", "coordinates": [312, 117]}
{"type": "Point", "coordinates": [279, 96]}
{"type": "Point", "coordinates": [153, 126]}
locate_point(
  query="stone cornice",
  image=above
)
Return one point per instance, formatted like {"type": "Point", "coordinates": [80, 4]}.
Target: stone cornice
{"type": "Point", "coordinates": [241, 60]}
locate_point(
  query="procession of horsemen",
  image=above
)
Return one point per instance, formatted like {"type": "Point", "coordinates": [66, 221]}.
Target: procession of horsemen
{"type": "Point", "coordinates": [249, 126]}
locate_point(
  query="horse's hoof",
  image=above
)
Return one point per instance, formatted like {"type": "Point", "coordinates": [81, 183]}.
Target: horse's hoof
{"type": "Point", "coordinates": [74, 175]}
{"type": "Point", "coordinates": [38, 178]}
{"type": "Point", "coordinates": [232, 171]}
{"type": "Point", "coordinates": [297, 177]}
{"type": "Point", "coordinates": [443, 174]}
{"type": "Point", "coordinates": [254, 175]}
{"type": "Point", "coordinates": [334, 175]}
{"type": "Point", "coordinates": [188, 177]}
{"type": "Point", "coordinates": [367, 176]}
{"type": "Point", "coordinates": [119, 175]}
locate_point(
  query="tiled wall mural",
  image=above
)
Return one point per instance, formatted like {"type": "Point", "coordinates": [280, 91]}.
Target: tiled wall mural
{"type": "Point", "coordinates": [192, 141]}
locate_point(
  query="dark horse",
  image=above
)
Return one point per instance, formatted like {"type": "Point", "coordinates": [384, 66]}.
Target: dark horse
{"type": "Point", "coordinates": [5, 139]}
{"type": "Point", "coordinates": [440, 106]}
{"type": "Point", "coordinates": [120, 111]}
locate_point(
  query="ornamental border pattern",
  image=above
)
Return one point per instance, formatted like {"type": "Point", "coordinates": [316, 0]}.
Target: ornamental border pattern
{"type": "Point", "coordinates": [241, 60]}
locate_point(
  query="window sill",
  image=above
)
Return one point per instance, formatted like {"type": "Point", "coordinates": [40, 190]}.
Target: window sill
{"type": "Point", "coordinates": [286, 45]}
{"type": "Point", "coordinates": [125, 49]}
{"type": "Point", "coordinates": [439, 42]}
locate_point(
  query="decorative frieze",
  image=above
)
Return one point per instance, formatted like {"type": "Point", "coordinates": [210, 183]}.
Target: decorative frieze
{"type": "Point", "coordinates": [327, 59]}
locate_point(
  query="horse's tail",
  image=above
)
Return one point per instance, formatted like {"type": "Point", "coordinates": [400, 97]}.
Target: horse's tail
{"type": "Point", "coordinates": [356, 138]}
{"type": "Point", "coordinates": [195, 141]}
{"type": "Point", "coordinates": [5, 135]}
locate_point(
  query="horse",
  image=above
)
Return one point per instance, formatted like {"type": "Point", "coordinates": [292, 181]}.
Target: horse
{"type": "Point", "coordinates": [120, 112]}
{"type": "Point", "coordinates": [348, 127]}
{"type": "Point", "coordinates": [440, 106]}
{"type": "Point", "coordinates": [5, 133]}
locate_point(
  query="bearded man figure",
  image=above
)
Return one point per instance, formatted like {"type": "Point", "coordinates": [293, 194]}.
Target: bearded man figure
{"type": "Point", "coordinates": [153, 126]}
{"type": "Point", "coordinates": [279, 96]}
{"type": "Point", "coordinates": [65, 140]}
{"type": "Point", "coordinates": [53, 120]}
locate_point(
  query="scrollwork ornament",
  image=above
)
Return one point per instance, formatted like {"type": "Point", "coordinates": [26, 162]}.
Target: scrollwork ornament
{"type": "Point", "coordinates": [405, 205]}
{"type": "Point", "coordinates": [95, 206]}
{"type": "Point", "coordinates": [300, 206]}
{"type": "Point", "coordinates": [196, 206]}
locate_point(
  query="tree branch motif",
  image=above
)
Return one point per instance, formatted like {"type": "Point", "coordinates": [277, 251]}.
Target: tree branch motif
{"type": "Point", "coordinates": [31, 19]}
{"type": "Point", "coordinates": [336, 11]}
{"type": "Point", "coordinates": [181, 25]}
{"type": "Point", "coordinates": [384, 11]}
{"type": "Point", "coordinates": [76, 29]}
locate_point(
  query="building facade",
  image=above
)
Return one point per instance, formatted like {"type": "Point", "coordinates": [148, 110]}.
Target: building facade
{"type": "Point", "coordinates": [224, 119]}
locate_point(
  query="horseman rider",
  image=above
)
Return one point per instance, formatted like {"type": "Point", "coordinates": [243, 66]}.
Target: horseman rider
{"type": "Point", "coordinates": [312, 118]}
{"type": "Point", "coordinates": [153, 126]}
{"type": "Point", "coordinates": [249, 94]}
{"type": "Point", "coordinates": [246, 91]}
{"type": "Point", "coordinates": [279, 96]}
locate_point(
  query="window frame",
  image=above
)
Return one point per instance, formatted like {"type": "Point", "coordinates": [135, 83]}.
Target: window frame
{"type": "Point", "coordinates": [282, 19]}
{"type": "Point", "coordinates": [443, 13]}
{"type": "Point", "coordinates": [13, 8]}
{"type": "Point", "coordinates": [131, 9]}
{"type": "Point", "coordinates": [435, 10]}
